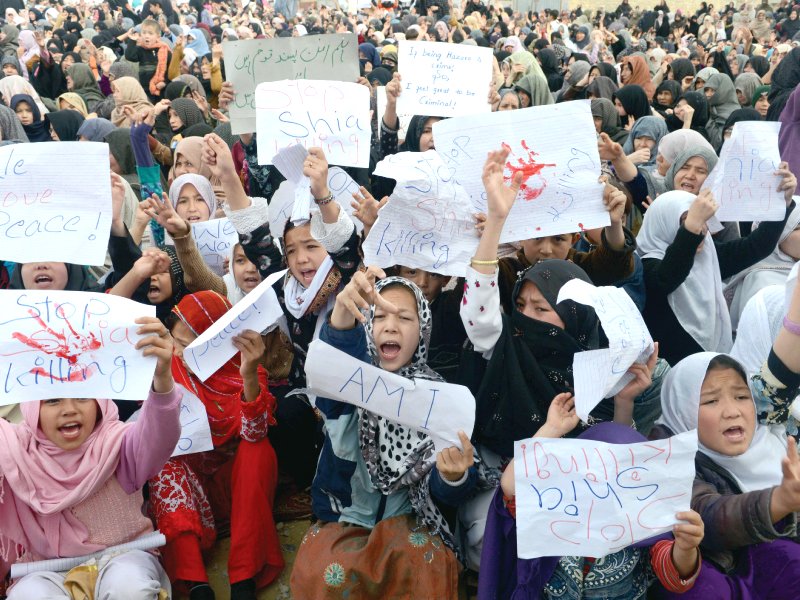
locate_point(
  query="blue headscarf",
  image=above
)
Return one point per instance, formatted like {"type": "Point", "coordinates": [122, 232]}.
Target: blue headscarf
{"type": "Point", "coordinates": [371, 52]}
{"type": "Point", "coordinates": [652, 127]}
{"type": "Point", "coordinates": [200, 44]}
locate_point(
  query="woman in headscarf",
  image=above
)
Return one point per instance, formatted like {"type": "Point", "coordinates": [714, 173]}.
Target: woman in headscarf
{"type": "Point", "coordinates": [722, 102]}
{"type": "Point", "coordinates": [682, 71]}
{"type": "Point", "coordinates": [702, 76]}
{"type": "Point", "coordinates": [10, 41]}
{"type": "Point", "coordinates": [189, 159]}
{"type": "Point", "coordinates": [761, 27]}
{"type": "Point", "coordinates": [379, 482]}
{"type": "Point", "coordinates": [533, 90]}
{"type": "Point", "coordinates": [11, 128]}
{"type": "Point", "coordinates": [183, 113]}
{"type": "Point", "coordinates": [745, 86]}
{"type": "Point", "coordinates": [606, 120]}
{"type": "Point", "coordinates": [684, 266]}
{"type": "Point", "coordinates": [761, 100]}
{"type": "Point", "coordinates": [632, 103]}
{"type": "Point", "coordinates": [52, 276]}
{"type": "Point", "coordinates": [691, 112]}
{"type": "Point", "coordinates": [601, 87]}
{"type": "Point", "coordinates": [13, 85]}
{"type": "Point", "coordinates": [581, 37]}
{"type": "Point", "coordinates": [744, 487]}
{"type": "Point", "coordinates": [737, 116]}
{"type": "Point", "coordinates": [30, 56]}
{"type": "Point", "coordinates": [551, 68]}
{"type": "Point", "coordinates": [64, 125]}
{"type": "Point", "coordinates": [667, 96]}
{"type": "Point", "coordinates": [127, 92]}
{"type": "Point", "coordinates": [513, 44]}
{"type": "Point", "coordinates": [784, 80]}
{"type": "Point", "coordinates": [758, 65]}
{"type": "Point", "coordinates": [95, 130]}
{"type": "Point", "coordinates": [123, 161]}
{"type": "Point", "coordinates": [34, 124]}
{"type": "Point", "coordinates": [72, 101]}
{"type": "Point", "coordinates": [81, 80]}
{"type": "Point", "coordinates": [636, 72]}
{"type": "Point", "coordinates": [576, 78]}
{"type": "Point", "coordinates": [240, 409]}
{"type": "Point", "coordinates": [641, 147]}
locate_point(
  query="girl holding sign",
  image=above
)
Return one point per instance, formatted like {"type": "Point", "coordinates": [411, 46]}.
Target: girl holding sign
{"type": "Point", "coordinates": [71, 476]}
{"type": "Point", "coordinates": [380, 533]}
{"type": "Point", "coordinates": [748, 472]}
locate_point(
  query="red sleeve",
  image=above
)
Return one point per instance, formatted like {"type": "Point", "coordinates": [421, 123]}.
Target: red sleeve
{"type": "Point", "coordinates": [258, 415]}
{"type": "Point", "coordinates": [511, 505]}
{"type": "Point", "coordinates": [664, 568]}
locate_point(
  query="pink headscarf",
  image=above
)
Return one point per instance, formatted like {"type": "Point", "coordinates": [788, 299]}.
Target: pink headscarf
{"type": "Point", "coordinates": [39, 482]}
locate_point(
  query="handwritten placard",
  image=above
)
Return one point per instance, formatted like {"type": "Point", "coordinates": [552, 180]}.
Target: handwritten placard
{"type": "Point", "coordinates": [436, 408]}
{"type": "Point", "coordinates": [55, 202]}
{"type": "Point", "coordinates": [444, 80]}
{"type": "Point", "coordinates": [332, 57]}
{"type": "Point", "coordinates": [195, 429]}
{"type": "Point", "coordinates": [602, 373]}
{"type": "Point", "coordinates": [560, 192]}
{"type": "Point", "coordinates": [587, 498]}
{"type": "Point", "coordinates": [743, 182]}
{"type": "Point", "coordinates": [214, 347]}
{"type": "Point", "coordinates": [289, 162]}
{"type": "Point", "coordinates": [57, 344]}
{"type": "Point", "coordinates": [428, 222]}
{"type": "Point", "coordinates": [334, 116]}
{"type": "Point", "coordinates": [214, 240]}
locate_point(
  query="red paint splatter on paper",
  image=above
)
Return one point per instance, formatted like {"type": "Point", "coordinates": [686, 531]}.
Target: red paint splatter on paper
{"type": "Point", "coordinates": [59, 345]}
{"type": "Point", "coordinates": [533, 182]}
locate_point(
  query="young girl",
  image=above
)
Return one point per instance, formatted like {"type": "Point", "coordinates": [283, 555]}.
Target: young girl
{"type": "Point", "coordinates": [380, 533]}
{"type": "Point", "coordinates": [748, 475]}
{"type": "Point", "coordinates": [70, 482]}
{"type": "Point", "coordinates": [626, 573]}
{"type": "Point", "coordinates": [36, 128]}
{"type": "Point", "coordinates": [235, 480]}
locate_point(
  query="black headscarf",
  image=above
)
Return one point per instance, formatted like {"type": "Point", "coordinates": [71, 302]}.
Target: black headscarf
{"type": "Point", "coordinates": [672, 86]}
{"type": "Point", "coordinates": [743, 114]}
{"type": "Point", "coordinates": [176, 89]}
{"type": "Point", "coordinates": [66, 124]}
{"type": "Point", "coordinates": [551, 69]}
{"type": "Point", "coordinates": [634, 100]}
{"type": "Point", "coordinates": [680, 68]}
{"type": "Point", "coordinates": [699, 102]}
{"type": "Point", "coordinates": [413, 133]}
{"type": "Point", "coordinates": [602, 87]}
{"type": "Point", "coordinates": [179, 290]}
{"type": "Point", "coordinates": [532, 360]}
{"type": "Point", "coordinates": [760, 65]}
{"type": "Point", "coordinates": [39, 130]}
{"type": "Point", "coordinates": [380, 74]}
{"type": "Point", "coordinates": [784, 79]}
{"type": "Point", "coordinates": [607, 70]}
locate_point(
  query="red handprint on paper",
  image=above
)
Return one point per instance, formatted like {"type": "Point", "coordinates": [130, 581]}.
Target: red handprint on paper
{"type": "Point", "coordinates": [533, 182]}
{"type": "Point", "coordinates": [69, 347]}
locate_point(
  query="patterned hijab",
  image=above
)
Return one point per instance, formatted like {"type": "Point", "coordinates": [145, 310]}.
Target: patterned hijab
{"type": "Point", "coordinates": [397, 456]}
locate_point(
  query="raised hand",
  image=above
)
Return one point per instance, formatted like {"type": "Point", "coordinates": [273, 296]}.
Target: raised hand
{"type": "Point", "coordinates": [251, 346]}
{"type": "Point", "coordinates": [453, 462]}
{"type": "Point", "coordinates": [561, 417]}
{"type": "Point", "coordinates": [366, 207]}
{"type": "Point", "coordinates": [158, 343]}
{"type": "Point", "coordinates": [788, 183]}
{"type": "Point", "coordinates": [359, 295]}
{"type": "Point", "coordinates": [500, 197]}
{"type": "Point", "coordinates": [702, 209]}
{"type": "Point", "coordinates": [688, 535]}
{"type": "Point", "coordinates": [608, 149]}
{"type": "Point", "coordinates": [162, 211]}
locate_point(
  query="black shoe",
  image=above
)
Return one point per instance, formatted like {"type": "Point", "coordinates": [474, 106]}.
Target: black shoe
{"type": "Point", "coordinates": [201, 591]}
{"type": "Point", "coordinates": [244, 590]}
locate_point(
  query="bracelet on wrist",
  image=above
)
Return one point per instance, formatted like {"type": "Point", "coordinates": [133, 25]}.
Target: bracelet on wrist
{"type": "Point", "coordinates": [182, 237]}
{"type": "Point", "coordinates": [791, 326]}
{"type": "Point", "coordinates": [323, 201]}
{"type": "Point", "coordinates": [487, 263]}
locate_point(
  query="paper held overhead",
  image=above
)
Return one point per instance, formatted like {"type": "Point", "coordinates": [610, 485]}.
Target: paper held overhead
{"type": "Point", "coordinates": [428, 222]}
{"type": "Point", "coordinates": [257, 311]}
{"type": "Point", "coordinates": [332, 115]}
{"type": "Point", "coordinates": [332, 57]}
{"type": "Point", "coordinates": [47, 210]}
{"type": "Point", "coordinates": [588, 498]}
{"type": "Point", "coordinates": [602, 373]}
{"type": "Point", "coordinates": [436, 408]}
{"type": "Point", "coordinates": [744, 181]}
{"type": "Point", "coordinates": [560, 191]}
{"type": "Point", "coordinates": [58, 344]}
{"type": "Point", "coordinates": [444, 80]}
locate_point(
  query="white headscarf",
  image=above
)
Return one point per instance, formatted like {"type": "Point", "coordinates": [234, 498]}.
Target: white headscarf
{"type": "Point", "coordinates": [759, 325]}
{"type": "Point", "coordinates": [201, 184]}
{"type": "Point", "coordinates": [759, 467]}
{"type": "Point", "coordinates": [773, 270]}
{"type": "Point", "coordinates": [234, 292]}
{"type": "Point", "coordinates": [674, 143]}
{"type": "Point", "coordinates": [700, 295]}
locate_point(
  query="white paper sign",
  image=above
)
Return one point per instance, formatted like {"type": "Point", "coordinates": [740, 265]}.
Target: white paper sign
{"type": "Point", "coordinates": [602, 373]}
{"type": "Point", "coordinates": [436, 408]}
{"type": "Point", "coordinates": [587, 498]}
{"type": "Point", "coordinates": [214, 239]}
{"type": "Point", "coordinates": [55, 202]}
{"type": "Point", "coordinates": [743, 182]}
{"type": "Point", "coordinates": [280, 208]}
{"type": "Point", "coordinates": [444, 80]}
{"type": "Point", "coordinates": [428, 222]}
{"type": "Point", "coordinates": [332, 115]}
{"type": "Point", "coordinates": [248, 62]}
{"type": "Point", "coordinates": [289, 162]}
{"type": "Point", "coordinates": [554, 148]}
{"type": "Point", "coordinates": [214, 347]}
{"type": "Point", "coordinates": [195, 430]}
{"type": "Point", "coordinates": [57, 344]}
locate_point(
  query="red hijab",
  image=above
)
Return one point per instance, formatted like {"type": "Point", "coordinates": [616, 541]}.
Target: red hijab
{"type": "Point", "coordinates": [222, 392]}
{"type": "Point", "coordinates": [640, 74]}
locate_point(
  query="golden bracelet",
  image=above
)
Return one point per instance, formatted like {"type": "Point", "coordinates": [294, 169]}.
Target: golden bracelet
{"type": "Point", "coordinates": [488, 263]}
{"type": "Point", "coordinates": [184, 236]}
